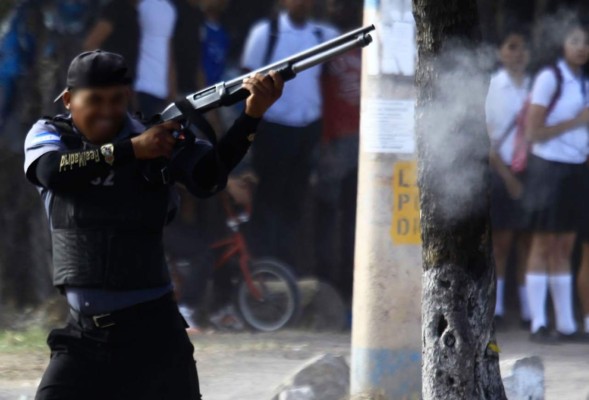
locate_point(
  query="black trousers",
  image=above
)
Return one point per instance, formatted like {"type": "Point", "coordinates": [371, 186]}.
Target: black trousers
{"type": "Point", "coordinates": [147, 357]}
{"type": "Point", "coordinates": [335, 232]}
{"type": "Point", "coordinates": [283, 158]}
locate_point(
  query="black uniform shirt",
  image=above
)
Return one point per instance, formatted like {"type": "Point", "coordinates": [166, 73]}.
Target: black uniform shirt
{"type": "Point", "coordinates": [52, 167]}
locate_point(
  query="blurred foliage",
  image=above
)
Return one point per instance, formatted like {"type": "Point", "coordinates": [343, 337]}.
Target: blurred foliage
{"type": "Point", "coordinates": [5, 5]}
{"type": "Point", "coordinates": [23, 341]}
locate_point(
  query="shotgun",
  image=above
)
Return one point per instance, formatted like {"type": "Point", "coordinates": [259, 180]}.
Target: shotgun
{"type": "Point", "coordinates": [230, 92]}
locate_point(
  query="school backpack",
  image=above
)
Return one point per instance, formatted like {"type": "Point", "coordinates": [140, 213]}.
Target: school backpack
{"type": "Point", "coordinates": [519, 161]}
{"type": "Point", "coordinates": [273, 38]}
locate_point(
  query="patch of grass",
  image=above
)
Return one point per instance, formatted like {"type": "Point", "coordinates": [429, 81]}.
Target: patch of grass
{"type": "Point", "coordinates": [32, 339]}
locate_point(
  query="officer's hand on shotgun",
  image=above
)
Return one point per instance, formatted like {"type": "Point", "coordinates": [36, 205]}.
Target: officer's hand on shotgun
{"type": "Point", "coordinates": [157, 141]}
{"type": "Point", "coordinates": [264, 91]}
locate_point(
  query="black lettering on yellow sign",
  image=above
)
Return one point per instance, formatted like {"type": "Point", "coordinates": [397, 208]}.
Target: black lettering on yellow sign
{"type": "Point", "coordinates": [407, 178]}
{"type": "Point", "coordinates": [405, 227]}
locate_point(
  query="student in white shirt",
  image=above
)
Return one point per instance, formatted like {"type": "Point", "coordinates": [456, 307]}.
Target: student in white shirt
{"type": "Point", "coordinates": [154, 81]}
{"type": "Point", "coordinates": [287, 140]}
{"type": "Point", "coordinates": [556, 165]}
{"type": "Point", "coordinates": [508, 91]}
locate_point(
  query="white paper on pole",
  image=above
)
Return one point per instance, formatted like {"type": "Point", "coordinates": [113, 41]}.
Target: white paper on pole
{"type": "Point", "coordinates": [397, 49]}
{"type": "Point", "coordinates": [387, 126]}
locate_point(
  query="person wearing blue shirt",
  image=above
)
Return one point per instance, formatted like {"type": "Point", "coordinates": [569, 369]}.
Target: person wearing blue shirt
{"type": "Point", "coordinates": [214, 41]}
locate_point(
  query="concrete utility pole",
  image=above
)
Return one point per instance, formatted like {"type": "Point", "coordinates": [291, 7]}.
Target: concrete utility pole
{"type": "Point", "coordinates": [386, 334]}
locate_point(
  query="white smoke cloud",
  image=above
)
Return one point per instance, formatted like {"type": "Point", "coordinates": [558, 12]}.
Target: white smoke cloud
{"type": "Point", "coordinates": [456, 142]}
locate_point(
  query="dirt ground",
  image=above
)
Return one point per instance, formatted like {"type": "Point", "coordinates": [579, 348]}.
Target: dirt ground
{"type": "Point", "coordinates": [250, 366]}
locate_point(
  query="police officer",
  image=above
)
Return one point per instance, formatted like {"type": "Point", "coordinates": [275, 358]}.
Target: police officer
{"type": "Point", "coordinates": [99, 173]}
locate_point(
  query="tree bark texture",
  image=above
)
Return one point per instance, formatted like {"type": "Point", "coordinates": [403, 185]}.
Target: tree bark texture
{"type": "Point", "coordinates": [458, 277]}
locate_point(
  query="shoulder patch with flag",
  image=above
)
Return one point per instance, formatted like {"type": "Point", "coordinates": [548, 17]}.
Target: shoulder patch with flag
{"type": "Point", "coordinates": [45, 138]}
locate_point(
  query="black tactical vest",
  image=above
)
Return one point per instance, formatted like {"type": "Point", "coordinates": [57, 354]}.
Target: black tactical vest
{"type": "Point", "coordinates": [108, 234]}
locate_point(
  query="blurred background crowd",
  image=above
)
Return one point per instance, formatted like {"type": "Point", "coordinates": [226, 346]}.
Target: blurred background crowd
{"type": "Point", "coordinates": [174, 48]}
{"type": "Point", "coordinates": [298, 186]}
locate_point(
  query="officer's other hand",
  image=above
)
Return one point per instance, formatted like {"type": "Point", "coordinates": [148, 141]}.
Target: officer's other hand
{"type": "Point", "coordinates": [264, 91]}
{"type": "Point", "coordinates": [156, 142]}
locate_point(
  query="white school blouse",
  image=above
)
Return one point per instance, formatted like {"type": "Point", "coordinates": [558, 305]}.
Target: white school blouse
{"type": "Point", "coordinates": [504, 102]}
{"type": "Point", "coordinates": [572, 146]}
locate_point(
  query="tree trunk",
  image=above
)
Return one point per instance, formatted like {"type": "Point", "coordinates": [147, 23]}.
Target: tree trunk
{"type": "Point", "coordinates": [458, 279]}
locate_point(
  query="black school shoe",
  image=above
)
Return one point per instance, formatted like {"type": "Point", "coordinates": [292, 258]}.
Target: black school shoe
{"type": "Point", "coordinates": [575, 337]}
{"type": "Point", "coordinates": [525, 324]}
{"type": "Point", "coordinates": [544, 336]}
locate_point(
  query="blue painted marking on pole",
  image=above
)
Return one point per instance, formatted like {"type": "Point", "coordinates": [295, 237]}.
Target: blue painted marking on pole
{"type": "Point", "coordinates": [394, 372]}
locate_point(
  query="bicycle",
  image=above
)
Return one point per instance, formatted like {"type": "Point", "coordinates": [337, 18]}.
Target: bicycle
{"type": "Point", "coordinates": [267, 296]}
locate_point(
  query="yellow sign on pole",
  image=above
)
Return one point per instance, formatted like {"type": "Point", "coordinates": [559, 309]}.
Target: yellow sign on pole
{"type": "Point", "coordinates": [405, 228]}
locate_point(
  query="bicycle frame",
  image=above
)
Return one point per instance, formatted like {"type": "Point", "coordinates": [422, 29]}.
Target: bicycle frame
{"type": "Point", "coordinates": [235, 245]}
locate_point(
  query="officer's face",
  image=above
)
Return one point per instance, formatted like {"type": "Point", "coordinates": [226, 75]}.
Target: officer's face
{"type": "Point", "coordinates": [99, 113]}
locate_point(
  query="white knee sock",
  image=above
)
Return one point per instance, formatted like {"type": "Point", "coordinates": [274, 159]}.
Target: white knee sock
{"type": "Point", "coordinates": [561, 289]}
{"type": "Point", "coordinates": [587, 323]}
{"type": "Point", "coordinates": [524, 305]}
{"type": "Point", "coordinates": [537, 287]}
{"type": "Point", "coordinates": [499, 309]}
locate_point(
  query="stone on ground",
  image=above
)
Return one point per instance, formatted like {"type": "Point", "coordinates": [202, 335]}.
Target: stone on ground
{"type": "Point", "coordinates": [326, 377]}
{"type": "Point", "coordinates": [526, 381]}
{"type": "Point", "coordinates": [323, 307]}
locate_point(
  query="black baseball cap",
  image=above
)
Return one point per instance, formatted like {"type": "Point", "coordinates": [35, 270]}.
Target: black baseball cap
{"type": "Point", "coordinates": [96, 69]}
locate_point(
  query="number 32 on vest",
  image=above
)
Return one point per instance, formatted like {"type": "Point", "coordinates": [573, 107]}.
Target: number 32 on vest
{"type": "Point", "coordinates": [108, 181]}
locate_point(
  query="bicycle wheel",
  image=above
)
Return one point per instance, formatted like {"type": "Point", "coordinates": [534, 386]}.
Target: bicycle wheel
{"type": "Point", "coordinates": [280, 298]}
